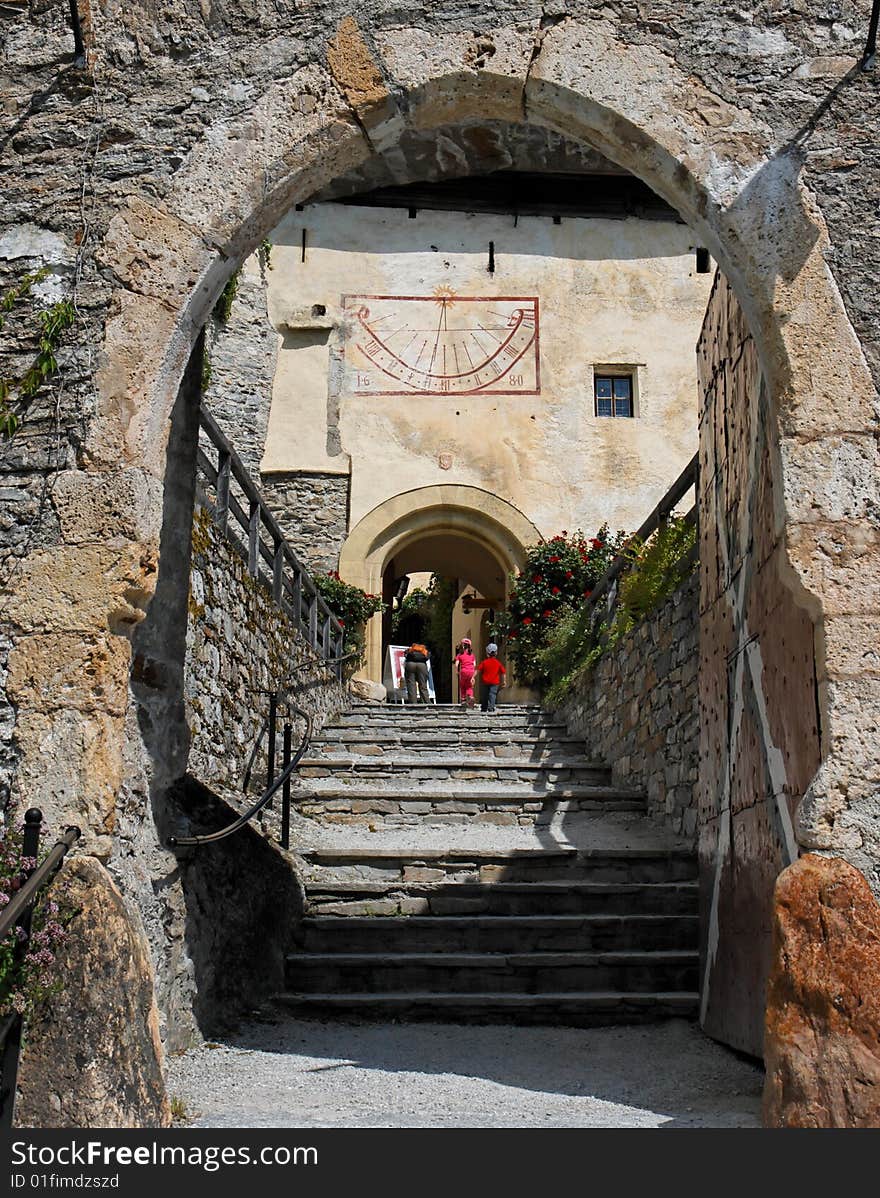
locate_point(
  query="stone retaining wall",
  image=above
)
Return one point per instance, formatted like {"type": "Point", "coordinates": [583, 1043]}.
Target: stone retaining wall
{"type": "Point", "coordinates": [240, 645]}
{"type": "Point", "coordinates": [312, 509]}
{"type": "Point", "coordinates": [638, 709]}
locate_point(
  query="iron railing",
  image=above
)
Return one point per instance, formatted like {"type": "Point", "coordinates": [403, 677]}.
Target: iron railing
{"type": "Point", "coordinates": [17, 915]}
{"type": "Point", "coordinates": [241, 513]}
{"type": "Point", "coordinates": [289, 761]}
{"type": "Point", "coordinates": [603, 599]}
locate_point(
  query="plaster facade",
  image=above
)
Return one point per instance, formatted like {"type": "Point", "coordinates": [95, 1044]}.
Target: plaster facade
{"type": "Point", "coordinates": [606, 294]}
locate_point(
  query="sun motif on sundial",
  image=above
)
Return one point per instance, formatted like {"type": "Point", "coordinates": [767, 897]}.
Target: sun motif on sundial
{"type": "Point", "coordinates": [441, 344]}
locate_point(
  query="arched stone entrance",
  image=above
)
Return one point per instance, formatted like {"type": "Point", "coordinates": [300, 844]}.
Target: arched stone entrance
{"type": "Point", "coordinates": [168, 252]}
{"type": "Point", "coordinates": [425, 529]}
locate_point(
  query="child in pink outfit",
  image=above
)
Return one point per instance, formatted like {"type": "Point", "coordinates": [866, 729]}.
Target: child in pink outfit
{"type": "Point", "coordinates": [466, 664]}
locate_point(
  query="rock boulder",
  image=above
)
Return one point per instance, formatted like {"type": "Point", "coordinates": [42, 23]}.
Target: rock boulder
{"type": "Point", "coordinates": [364, 688]}
{"type": "Point", "coordinates": [822, 1041]}
{"type": "Point", "coordinates": [92, 1057]}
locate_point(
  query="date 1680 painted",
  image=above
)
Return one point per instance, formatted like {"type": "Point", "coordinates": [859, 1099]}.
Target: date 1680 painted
{"type": "Point", "coordinates": [444, 344]}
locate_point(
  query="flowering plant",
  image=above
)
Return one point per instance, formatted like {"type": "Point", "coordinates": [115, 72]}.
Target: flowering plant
{"type": "Point", "coordinates": [27, 979]}
{"type": "Point", "coordinates": [558, 576]}
{"type": "Point", "coordinates": [351, 606]}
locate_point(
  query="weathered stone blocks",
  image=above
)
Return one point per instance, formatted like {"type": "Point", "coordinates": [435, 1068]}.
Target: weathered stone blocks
{"type": "Point", "coordinates": [93, 1057]}
{"type": "Point", "coordinates": [822, 1041]}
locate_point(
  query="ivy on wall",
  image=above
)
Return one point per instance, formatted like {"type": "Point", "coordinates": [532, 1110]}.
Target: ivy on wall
{"type": "Point", "coordinates": [15, 394]}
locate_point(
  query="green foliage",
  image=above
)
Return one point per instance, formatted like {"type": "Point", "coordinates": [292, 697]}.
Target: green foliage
{"type": "Point", "coordinates": [660, 566]}
{"type": "Point", "coordinates": [223, 307]}
{"type": "Point", "coordinates": [28, 979]}
{"type": "Point", "coordinates": [14, 294]}
{"type": "Point", "coordinates": [264, 251]}
{"type": "Point", "coordinates": [351, 606]}
{"type": "Point", "coordinates": [577, 641]}
{"type": "Point", "coordinates": [206, 371]}
{"type": "Point", "coordinates": [54, 322]}
{"type": "Point", "coordinates": [415, 603]}
{"type": "Point", "coordinates": [557, 576]}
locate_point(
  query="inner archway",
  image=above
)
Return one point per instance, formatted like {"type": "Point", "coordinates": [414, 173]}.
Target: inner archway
{"type": "Point", "coordinates": [456, 532]}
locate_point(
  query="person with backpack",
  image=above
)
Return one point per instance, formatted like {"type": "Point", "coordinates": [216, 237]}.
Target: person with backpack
{"type": "Point", "coordinates": [415, 672]}
{"type": "Point", "coordinates": [492, 678]}
{"type": "Point", "coordinates": [466, 665]}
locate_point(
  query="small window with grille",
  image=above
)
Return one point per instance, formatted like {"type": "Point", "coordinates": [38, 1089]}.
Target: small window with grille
{"type": "Point", "coordinates": [614, 394]}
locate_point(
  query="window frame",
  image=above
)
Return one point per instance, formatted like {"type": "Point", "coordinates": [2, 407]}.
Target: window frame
{"type": "Point", "coordinates": [612, 374]}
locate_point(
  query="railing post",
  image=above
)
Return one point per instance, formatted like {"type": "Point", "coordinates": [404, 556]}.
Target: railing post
{"type": "Point", "coordinates": [298, 598]}
{"type": "Point", "coordinates": [224, 470]}
{"type": "Point", "coordinates": [285, 790]}
{"type": "Point", "coordinates": [277, 570]}
{"type": "Point", "coordinates": [313, 619]}
{"type": "Point", "coordinates": [254, 539]}
{"type": "Point", "coordinates": [33, 820]}
{"type": "Point", "coordinates": [325, 638]}
{"type": "Point", "coordinates": [273, 721]}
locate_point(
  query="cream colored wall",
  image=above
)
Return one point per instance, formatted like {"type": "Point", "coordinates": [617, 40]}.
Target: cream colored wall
{"type": "Point", "coordinates": [610, 292]}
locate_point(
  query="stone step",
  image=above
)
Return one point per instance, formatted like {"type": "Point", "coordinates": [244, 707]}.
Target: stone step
{"type": "Point", "coordinates": [357, 706]}
{"type": "Point", "coordinates": [596, 1009]}
{"type": "Point", "coordinates": [432, 768]}
{"type": "Point", "coordinates": [617, 866]}
{"type": "Point", "coordinates": [498, 973]}
{"type": "Point", "coordinates": [363, 741]}
{"type": "Point", "coordinates": [496, 933]}
{"type": "Point", "coordinates": [358, 806]}
{"type": "Point", "coordinates": [474, 720]}
{"type": "Point", "coordinates": [366, 899]}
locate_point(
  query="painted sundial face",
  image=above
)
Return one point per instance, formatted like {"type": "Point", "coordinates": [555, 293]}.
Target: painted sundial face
{"type": "Point", "coordinates": [443, 344]}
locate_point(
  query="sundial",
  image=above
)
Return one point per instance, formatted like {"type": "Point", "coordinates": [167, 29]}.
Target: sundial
{"type": "Point", "coordinates": [441, 344]}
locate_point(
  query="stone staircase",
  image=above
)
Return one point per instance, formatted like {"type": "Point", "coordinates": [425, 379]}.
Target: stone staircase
{"type": "Point", "coordinates": [461, 866]}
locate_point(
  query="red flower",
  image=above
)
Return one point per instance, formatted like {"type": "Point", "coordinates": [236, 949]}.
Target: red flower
{"type": "Point", "coordinates": [565, 532]}
{"type": "Point", "coordinates": [553, 540]}
{"type": "Point", "coordinates": [527, 620]}
{"type": "Point", "coordinates": [587, 594]}
{"type": "Point", "coordinates": [548, 612]}
{"type": "Point", "coordinates": [597, 544]}
{"type": "Point", "coordinates": [342, 623]}
{"type": "Point", "coordinates": [554, 559]}
{"type": "Point", "coordinates": [511, 636]}
{"type": "Point", "coordinates": [537, 578]}
{"type": "Point", "coordinates": [569, 574]}
{"type": "Point", "coordinates": [556, 590]}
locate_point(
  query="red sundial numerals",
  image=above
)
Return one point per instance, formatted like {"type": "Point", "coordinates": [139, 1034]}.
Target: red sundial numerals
{"type": "Point", "coordinates": [441, 345]}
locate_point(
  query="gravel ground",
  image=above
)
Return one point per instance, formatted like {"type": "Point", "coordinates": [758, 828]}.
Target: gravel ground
{"type": "Point", "coordinates": [294, 1073]}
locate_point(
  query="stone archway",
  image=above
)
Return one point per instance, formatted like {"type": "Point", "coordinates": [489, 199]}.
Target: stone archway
{"type": "Point", "coordinates": [168, 251]}
{"type": "Point", "coordinates": [468, 514]}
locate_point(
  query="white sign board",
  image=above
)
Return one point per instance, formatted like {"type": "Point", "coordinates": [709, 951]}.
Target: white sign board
{"type": "Point", "coordinates": [393, 676]}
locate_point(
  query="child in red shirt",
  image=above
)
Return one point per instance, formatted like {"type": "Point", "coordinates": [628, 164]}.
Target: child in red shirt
{"type": "Point", "coordinates": [492, 674]}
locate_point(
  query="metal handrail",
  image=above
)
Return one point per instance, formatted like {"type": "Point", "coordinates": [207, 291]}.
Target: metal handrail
{"type": "Point", "coordinates": [273, 785]}
{"type": "Point", "coordinates": [689, 477]}
{"type": "Point", "coordinates": [17, 914]}
{"type": "Point", "coordinates": [291, 584]}
{"type": "Point", "coordinates": [38, 879]}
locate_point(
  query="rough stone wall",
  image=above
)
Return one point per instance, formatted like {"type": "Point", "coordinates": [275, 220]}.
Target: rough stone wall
{"type": "Point", "coordinates": [92, 1057]}
{"type": "Point", "coordinates": [239, 646]}
{"type": "Point", "coordinates": [759, 734]}
{"type": "Point", "coordinates": [637, 710]}
{"type": "Point", "coordinates": [312, 510]}
{"type": "Point", "coordinates": [242, 352]}
{"type": "Point", "coordinates": [144, 178]}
